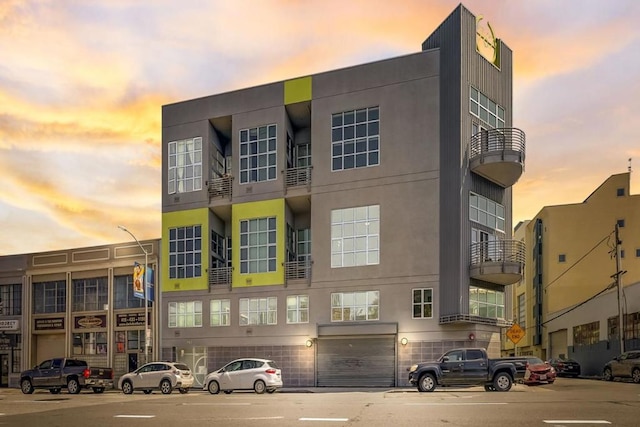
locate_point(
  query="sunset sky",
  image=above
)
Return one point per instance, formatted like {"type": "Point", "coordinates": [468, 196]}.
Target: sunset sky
{"type": "Point", "coordinates": [82, 84]}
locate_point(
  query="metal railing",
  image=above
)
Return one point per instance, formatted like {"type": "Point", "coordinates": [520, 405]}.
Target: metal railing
{"type": "Point", "coordinates": [499, 140]}
{"type": "Point", "coordinates": [220, 187]}
{"type": "Point", "coordinates": [468, 318]}
{"type": "Point", "coordinates": [507, 251]}
{"type": "Point", "coordinates": [294, 270]}
{"type": "Point", "coordinates": [220, 276]}
{"type": "Point", "coordinates": [294, 177]}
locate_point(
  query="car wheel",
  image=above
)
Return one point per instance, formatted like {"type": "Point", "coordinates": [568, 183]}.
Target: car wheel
{"type": "Point", "coordinates": [259, 387]}
{"type": "Point", "coordinates": [607, 374]}
{"type": "Point", "coordinates": [73, 386]}
{"type": "Point", "coordinates": [427, 383]}
{"type": "Point", "coordinates": [165, 387]}
{"type": "Point", "coordinates": [213, 387]}
{"type": "Point", "coordinates": [127, 387]}
{"type": "Point", "coordinates": [502, 381]}
{"type": "Point", "coordinates": [147, 391]}
{"type": "Point", "coordinates": [98, 390]}
{"type": "Point", "coordinates": [489, 387]}
{"type": "Point", "coordinates": [635, 375]}
{"type": "Point", "coordinates": [54, 390]}
{"type": "Point", "coordinates": [228, 391]}
{"type": "Point", "coordinates": [26, 386]}
{"type": "Point", "coordinates": [183, 390]}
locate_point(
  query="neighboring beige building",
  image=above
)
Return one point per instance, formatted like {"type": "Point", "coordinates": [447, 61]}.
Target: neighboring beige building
{"type": "Point", "coordinates": [568, 301]}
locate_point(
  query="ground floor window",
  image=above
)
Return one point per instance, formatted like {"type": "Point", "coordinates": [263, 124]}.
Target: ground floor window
{"type": "Point", "coordinates": [90, 343]}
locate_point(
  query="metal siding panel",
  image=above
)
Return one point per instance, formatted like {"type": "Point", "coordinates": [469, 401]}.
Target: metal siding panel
{"type": "Point", "coordinates": [356, 362]}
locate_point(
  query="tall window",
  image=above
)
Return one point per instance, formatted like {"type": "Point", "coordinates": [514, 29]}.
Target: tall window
{"type": "Point", "coordinates": [423, 303]}
{"type": "Point", "coordinates": [486, 212]}
{"type": "Point", "coordinates": [586, 334]}
{"type": "Point", "coordinates": [90, 343]}
{"type": "Point", "coordinates": [355, 139]}
{"type": "Point", "coordinates": [186, 314]}
{"type": "Point", "coordinates": [632, 326]}
{"type": "Point", "coordinates": [11, 300]}
{"type": "Point", "coordinates": [486, 303]}
{"type": "Point", "coordinates": [355, 236]}
{"type": "Point", "coordinates": [185, 166]}
{"type": "Point", "coordinates": [217, 250]}
{"type": "Point", "coordinates": [298, 309]}
{"type": "Point", "coordinates": [123, 293]}
{"type": "Point", "coordinates": [90, 294]}
{"type": "Point", "coordinates": [258, 245]}
{"type": "Point", "coordinates": [50, 297]}
{"type": "Point", "coordinates": [486, 110]}
{"type": "Point", "coordinates": [355, 306]}
{"type": "Point", "coordinates": [522, 312]}
{"type": "Point", "coordinates": [185, 252]}
{"type": "Point", "coordinates": [258, 311]}
{"type": "Point", "coordinates": [220, 312]}
{"type": "Point", "coordinates": [258, 148]}
{"type": "Point", "coordinates": [304, 244]}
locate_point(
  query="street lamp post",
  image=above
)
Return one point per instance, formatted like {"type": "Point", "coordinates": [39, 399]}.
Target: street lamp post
{"type": "Point", "coordinates": [144, 292]}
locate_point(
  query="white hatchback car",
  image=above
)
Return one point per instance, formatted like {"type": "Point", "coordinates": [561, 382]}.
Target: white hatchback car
{"type": "Point", "coordinates": [259, 375]}
{"type": "Point", "coordinates": [163, 376]}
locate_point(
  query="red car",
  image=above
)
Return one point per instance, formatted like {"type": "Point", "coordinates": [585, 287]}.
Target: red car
{"type": "Point", "coordinates": [538, 372]}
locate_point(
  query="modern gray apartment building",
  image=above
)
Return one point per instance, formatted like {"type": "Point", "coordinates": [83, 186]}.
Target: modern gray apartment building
{"type": "Point", "coordinates": [345, 223]}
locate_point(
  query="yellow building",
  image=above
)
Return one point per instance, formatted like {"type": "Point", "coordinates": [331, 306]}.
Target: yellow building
{"type": "Point", "coordinates": [568, 302]}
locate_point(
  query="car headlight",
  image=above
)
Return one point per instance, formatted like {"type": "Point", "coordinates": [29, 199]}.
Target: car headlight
{"type": "Point", "coordinates": [413, 368]}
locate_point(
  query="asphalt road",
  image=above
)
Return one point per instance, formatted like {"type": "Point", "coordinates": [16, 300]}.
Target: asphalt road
{"type": "Point", "coordinates": [568, 402]}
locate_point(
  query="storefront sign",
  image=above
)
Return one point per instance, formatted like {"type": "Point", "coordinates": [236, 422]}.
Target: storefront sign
{"type": "Point", "coordinates": [90, 322]}
{"type": "Point", "coordinates": [54, 323]}
{"type": "Point", "coordinates": [9, 325]}
{"type": "Point", "coordinates": [129, 319]}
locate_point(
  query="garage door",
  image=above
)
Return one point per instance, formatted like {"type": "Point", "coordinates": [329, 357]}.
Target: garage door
{"type": "Point", "coordinates": [356, 362]}
{"type": "Point", "coordinates": [49, 346]}
{"type": "Point", "coordinates": [558, 341]}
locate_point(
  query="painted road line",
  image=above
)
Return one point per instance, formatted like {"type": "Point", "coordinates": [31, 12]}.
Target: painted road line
{"type": "Point", "coordinates": [216, 404]}
{"type": "Point", "coordinates": [324, 419]}
{"type": "Point", "coordinates": [134, 416]}
{"type": "Point", "coordinates": [576, 421]}
{"type": "Point", "coordinates": [456, 404]}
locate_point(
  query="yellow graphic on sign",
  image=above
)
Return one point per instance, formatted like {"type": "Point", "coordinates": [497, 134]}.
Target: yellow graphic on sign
{"type": "Point", "coordinates": [515, 333]}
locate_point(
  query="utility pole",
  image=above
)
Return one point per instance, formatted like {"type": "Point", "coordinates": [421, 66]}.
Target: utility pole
{"type": "Point", "coordinates": [619, 285]}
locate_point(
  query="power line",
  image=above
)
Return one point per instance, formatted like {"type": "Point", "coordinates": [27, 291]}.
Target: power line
{"type": "Point", "coordinates": [609, 286]}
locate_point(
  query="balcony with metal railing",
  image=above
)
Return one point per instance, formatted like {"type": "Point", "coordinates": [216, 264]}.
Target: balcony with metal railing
{"type": "Point", "coordinates": [220, 187]}
{"type": "Point", "coordinates": [298, 270]}
{"type": "Point", "coordinates": [498, 261]}
{"type": "Point", "coordinates": [296, 177]}
{"type": "Point", "coordinates": [220, 277]}
{"type": "Point", "coordinates": [498, 155]}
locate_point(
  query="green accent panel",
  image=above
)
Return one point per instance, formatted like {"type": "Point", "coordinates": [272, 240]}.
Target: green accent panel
{"type": "Point", "coordinates": [251, 210]}
{"type": "Point", "coordinates": [183, 219]}
{"type": "Point", "coordinates": [297, 90]}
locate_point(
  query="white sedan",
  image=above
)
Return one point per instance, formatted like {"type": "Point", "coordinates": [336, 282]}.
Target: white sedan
{"type": "Point", "coordinates": [259, 375]}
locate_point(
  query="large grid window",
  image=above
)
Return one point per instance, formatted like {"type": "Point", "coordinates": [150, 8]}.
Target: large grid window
{"type": "Point", "coordinates": [632, 326]}
{"type": "Point", "coordinates": [185, 252]}
{"type": "Point", "coordinates": [185, 314]}
{"type": "Point", "coordinates": [587, 334]}
{"type": "Point", "coordinates": [355, 306]}
{"type": "Point", "coordinates": [258, 148]}
{"type": "Point", "coordinates": [185, 166]}
{"type": "Point", "coordinates": [90, 343]}
{"type": "Point", "coordinates": [258, 311]}
{"type": "Point", "coordinates": [486, 303]}
{"type": "Point", "coordinates": [50, 297]}
{"type": "Point", "coordinates": [486, 212]}
{"type": "Point", "coordinates": [123, 293]}
{"type": "Point", "coordinates": [486, 110]}
{"type": "Point", "coordinates": [423, 303]}
{"type": "Point", "coordinates": [298, 309]}
{"type": "Point", "coordinates": [11, 300]}
{"type": "Point", "coordinates": [220, 312]}
{"type": "Point", "coordinates": [355, 139]}
{"type": "Point", "coordinates": [355, 236]}
{"type": "Point", "coordinates": [90, 294]}
{"type": "Point", "coordinates": [522, 312]}
{"type": "Point", "coordinates": [258, 245]}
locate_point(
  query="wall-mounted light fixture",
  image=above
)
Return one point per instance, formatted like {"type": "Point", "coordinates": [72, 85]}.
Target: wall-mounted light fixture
{"type": "Point", "coordinates": [309, 343]}
{"type": "Point", "coordinates": [472, 336]}
{"type": "Point", "coordinates": [404, 341]}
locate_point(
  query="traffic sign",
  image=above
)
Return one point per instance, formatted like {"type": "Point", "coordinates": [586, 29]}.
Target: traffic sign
{"type": "Point", "coordinates": [515, 333]}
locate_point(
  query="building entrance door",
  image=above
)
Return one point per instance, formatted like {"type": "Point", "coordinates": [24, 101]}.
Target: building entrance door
{"type": "Point", "coordinates": [133, 361]}
{"type": "Point", "coordinates": [4, 370]}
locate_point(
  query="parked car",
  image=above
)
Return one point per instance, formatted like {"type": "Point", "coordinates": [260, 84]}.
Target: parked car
{"type": "Point", "coordinates": [565, 367]}
{"type": "Point", "coordinates": [163, 376]}
{"type": "Point", "coordinates": [61, 372]}
{"type": "Point", "coordinates": [627, 365]}
{"type": "Point", "coordinates": [538, 372]}
{"type": "Point", "coordinates": [259, 375]}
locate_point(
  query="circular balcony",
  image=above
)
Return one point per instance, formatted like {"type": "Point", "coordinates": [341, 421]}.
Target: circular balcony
{"type": "Point", "coordinates": [498, 155]}
{"type": "Point", "coordinates": [498, 261]}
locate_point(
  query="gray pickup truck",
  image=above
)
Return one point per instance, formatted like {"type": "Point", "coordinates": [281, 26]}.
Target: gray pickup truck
{"type": "Point", "coordinates": [72, 374]}
{"type": "Point", "coordinates": [467, 367]}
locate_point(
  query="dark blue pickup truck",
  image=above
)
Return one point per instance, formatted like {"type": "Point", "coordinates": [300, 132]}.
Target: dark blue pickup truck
{"type": "Point", "coordinates": [467, 367]}
{"type": "Point", "coordinates": [72, 374]}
